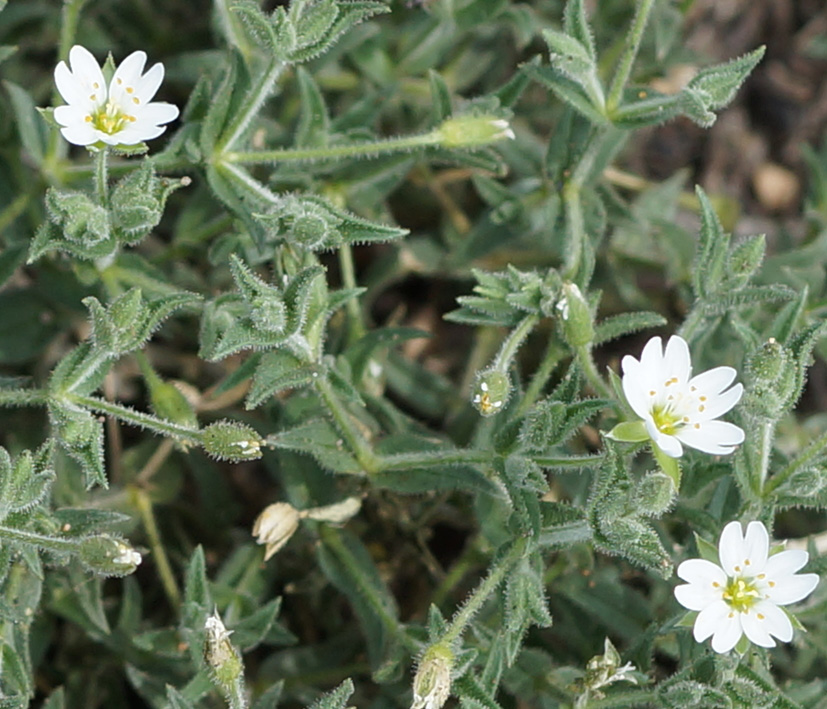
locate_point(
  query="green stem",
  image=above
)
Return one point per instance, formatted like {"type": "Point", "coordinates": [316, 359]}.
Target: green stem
{"type": "Point", "coordinates": [252, 105]}
{"type": "Point", "coordinates": [358, 150]}
{"type": "Point", "coordinates": [14, 210]}
{"type": "Point", "coordinates": [23, 397]}
{"type": "Point", "coordinates": [584, 356]}
{"type": "Point", "coordinates": [101, 177]}
{"type": "Point", "coordinates": [356, 325]}
{"type": "Point", "coordinates": [567, 461]}
{"type": "Point", "coordinates": [428, 459]}
{"type": "Point", "coordinates": [360, 448]}
{"type": "Point", "coordinates": [332, 539]}
{"type": "Point", "coordinates": [159, 555]}
{"type": "Point", "coordinates": [249, 184]}
{"type": "Point", "coordinates": [624, 66]}
{"type": "Point", "coordinates": [692, 322]}
{"type": "Point", "coordinates": [41, 541]}
{"type": "Point", "coordinates": [553, 354]}
{"type": "Point", "coordinates": [512, 343]}
{"type": "Point", "coordinates": [137, 418]}
{"type": "Point", "coordinates": [480, 595]}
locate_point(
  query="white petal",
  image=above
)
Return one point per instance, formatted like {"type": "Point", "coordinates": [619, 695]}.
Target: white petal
{"type": "Point", "coordinates": [756, 627]}
{"type": "Point", "coordinates": [756, 548]}
{"type": "Point", "coordinates": [728, 632]}
{"type": "Point", "coordinates": [785, 563]}
{"type": "Point", "coordinates": [634, 386]}
{"type": "Point", "coordinates": [701, 572]}
{"type": "Point", "coordinates": [148, 84]}
{"type": "Point", "coordinates": [136, 133]}
{"type": "Point", "coordinates": [158, 113]}
{"type": "Point", "coordinates": [791, 589]}
{"type": "Point", "coordinates": [676, 358]}
{"type": "Point", "coordinates": [718, 404]}
{"type": "Point", "coordinates": [668, 444]}
{"type": "Point", "coordinates": [122, 88]}
{"type": "Point", "coordinates": [731, 548]}
{"type": "Point", "coordinates": [709, 620]}
{"type": "Point", "coordinates": [70, 115]}
{"type": "Point", "coordinates": [775, 620]}
{"type": "Point", "coordinates": [714, 437]}
{"type": "Point", "coordinates": [68, 86]}
{"type": "Point", "coordinates": [651, 359]}
{"type": "Point", "coordinates": [713, 381]}
{"type": "Point", "coordinates": [82, 134]}
{"type": "Point", "coordinates": [695, 598]}
{"type": "Point", "coordinates": [88, 75]}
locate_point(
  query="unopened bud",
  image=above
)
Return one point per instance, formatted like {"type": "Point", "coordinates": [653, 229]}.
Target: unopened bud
{"type": "Point", "coordinates": [432, 683]}
{"type": "Point", "coordinates": [576, 315]}
{"type": "Point", "coordinates": [471, 131]}
{"type": "Point", "coordinates": [108, 556]}
{"type": "Point", "coordinates": [269, 314]}
{"type": "Point", "coordinates": [275, 525]}
{"type": "Point", "coordinates": [771, 379]}
{"type": "Point", "coordinates": [491, 391]}
{"type": "Point", "coordinates": [746, 258]}
{"type": "Point", "coordinates": [230, 440]}
{"type": "Point", "coordinates": [222, 658]}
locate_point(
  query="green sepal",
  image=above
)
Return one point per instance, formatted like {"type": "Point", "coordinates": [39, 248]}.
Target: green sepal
{"type": "Point", "coordinates": [80, 434]}
{"type": "Point", "coordinates": [707, 550]}
{"type": "Point", "coordinates": [669, 465]}
{"type": "Point", "coordinates": [629, 432]}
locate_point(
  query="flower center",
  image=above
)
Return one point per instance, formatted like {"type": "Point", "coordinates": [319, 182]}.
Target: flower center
{"type": "Point", "coordinates": [110, 119]}
{"type": "Point", "coordinates": [741, 594]}
{"type": "Point", "coordinates": [666, 420]}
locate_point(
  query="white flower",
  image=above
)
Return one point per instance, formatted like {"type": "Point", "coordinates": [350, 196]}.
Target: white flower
{"type": "Point", "coordinates": [678, 408]}
{"type": "Point", "coordinates": [432, 683]}
{"type": "Point", "coordinates": [743, 594]}
{"type": "Point", "coordinates": [127, 556]}
{"type": "Point", "coordinates": [120, 114]}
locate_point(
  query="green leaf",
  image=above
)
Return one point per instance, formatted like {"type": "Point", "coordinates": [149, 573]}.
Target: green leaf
{"type": "Point", "coordinates": [337, 699]}
{"type": "Point", "coordinates": [576, 25]}
{"type": "Point", "coordinates": [313, 128]}
{"type": "Point", "coordinates": [347, 564]}
{"type": "Point", "coordinates": [629, 432]}
{"type": "Point", "coordinates": [568, 91]}
{"type": "Point", "coordinates": [31, 127]}
{"type": "Point", "coordinates": [80, 434]}
{"type": "Point", "coordinates": [625, 324]}
{"type": "Point", "coordinates": [319, 439]}
{"type": "Point", "coordinates": [277, 371]}
{"type": "Point", "coordinates": [721, 82]}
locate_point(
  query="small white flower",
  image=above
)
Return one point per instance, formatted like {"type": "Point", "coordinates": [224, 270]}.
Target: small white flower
{"type": "Point", "coordinates": [678, 408]}
{"type": "Point", "coordinates": [432, 683]}
{"type": "Point", "coordinates": [743, 594]}
{"type": "Point", "coordinates": [121, 113]}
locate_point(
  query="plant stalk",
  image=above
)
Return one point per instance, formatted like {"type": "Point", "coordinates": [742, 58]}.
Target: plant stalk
{"type": "Point", "coordinates": [630, 50]}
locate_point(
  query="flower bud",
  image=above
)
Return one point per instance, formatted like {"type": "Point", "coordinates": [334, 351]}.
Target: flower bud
{"type": "Point", "coordinates": [230, 440]}
{"type": "Point", "coordinates": [471, 131]}
{"type": "Point", "coordinates": [432, 683]}
{"type": "Point", "coordinates": [222, 658]}
{"type": "Point", "coordinates": [108, 556]}
{"type": "Point", "coordinates": [269, 314]}
{"type": "Point", "coordinates": [275, 525]}
{"type": "Point", "coordinates": [771, 379]}
{"type": "Point", "coordinates": [491, 392]}
{"type": "Point", "coordinates": [576, 315]}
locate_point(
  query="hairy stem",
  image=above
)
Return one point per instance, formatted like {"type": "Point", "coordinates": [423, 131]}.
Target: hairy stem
{"type": "Point", "coordinates": [137, 418]}
{"type": "Point", "coordinates": [360, 448]}
{"type": "Point", "coordinates": [481, 594]}
{"type": "Point", "coordinates": [357, 150]}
